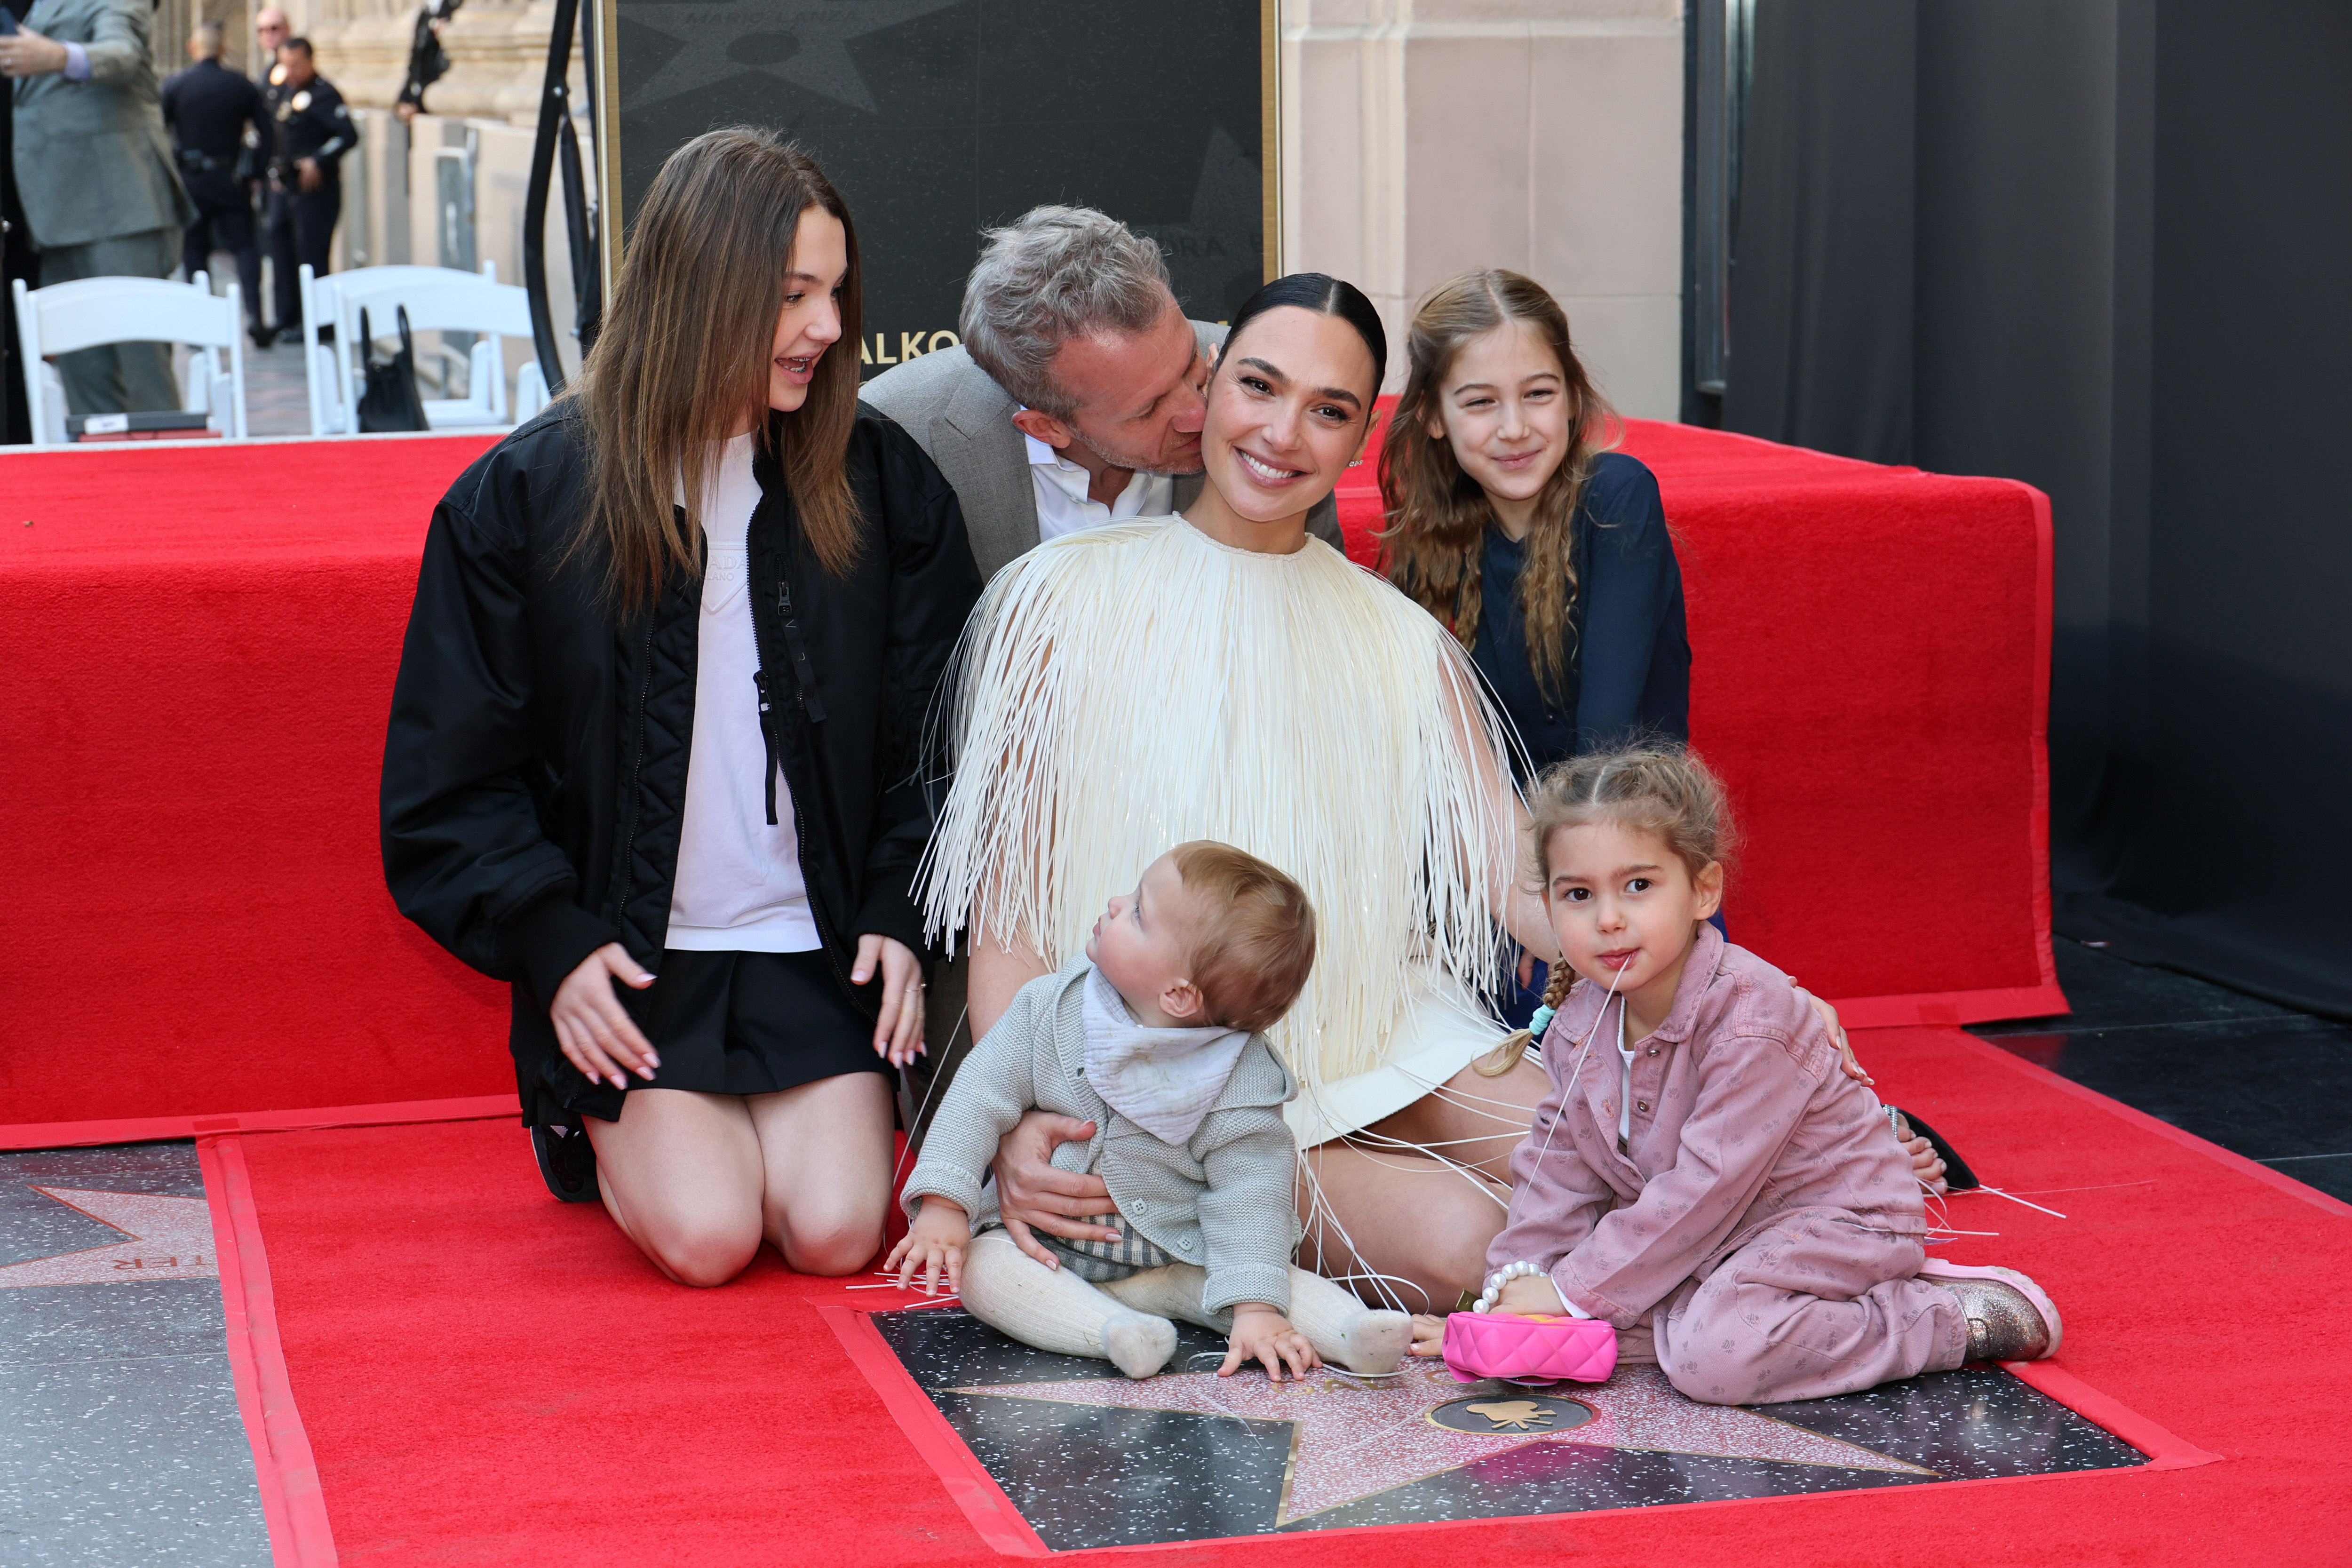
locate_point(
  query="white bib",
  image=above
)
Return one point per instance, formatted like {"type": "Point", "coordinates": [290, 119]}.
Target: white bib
{"type": "Point", "coordinates": [1163, 1080]}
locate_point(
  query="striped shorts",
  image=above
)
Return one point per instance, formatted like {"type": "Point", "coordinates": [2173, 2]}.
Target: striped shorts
{"type": "Point", "coordinates": [1099, 1262]}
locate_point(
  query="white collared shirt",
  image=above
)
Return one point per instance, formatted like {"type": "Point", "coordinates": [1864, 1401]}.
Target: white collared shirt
{"type": "Point", "coordinates": [1062, 506]}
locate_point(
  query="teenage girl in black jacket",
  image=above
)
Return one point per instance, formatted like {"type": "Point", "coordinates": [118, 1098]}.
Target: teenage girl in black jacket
{"type": "Point", "coordinates": [660, 721]}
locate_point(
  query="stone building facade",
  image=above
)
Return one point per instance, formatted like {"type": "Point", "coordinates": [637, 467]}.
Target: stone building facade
{"type": "Point", "coordinates": [1419, 137]}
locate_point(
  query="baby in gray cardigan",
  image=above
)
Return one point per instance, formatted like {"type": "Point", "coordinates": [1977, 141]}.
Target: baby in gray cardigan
{"type": "Point", "coordinates": [1156, 1036]}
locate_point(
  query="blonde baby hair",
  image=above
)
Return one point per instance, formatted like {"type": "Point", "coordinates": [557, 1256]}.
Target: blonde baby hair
{"type": "Point", "coordinates": [1257, 937]}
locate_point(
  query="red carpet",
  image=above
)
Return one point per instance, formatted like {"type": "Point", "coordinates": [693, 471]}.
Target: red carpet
{"type": "Point", "coordinates": [1870, 671]}
{"type": "Point", "coordinates": [486, 1377]}
{"type": "Point", "coordinates": [202, 648]}
{"type": "Point", "coordinates": [202, 644]}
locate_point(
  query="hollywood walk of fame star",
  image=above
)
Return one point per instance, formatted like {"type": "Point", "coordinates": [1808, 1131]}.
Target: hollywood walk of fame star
{"type": "Point", "coordinates": [170, 1238]}
{"type": "Point", "coordinates": [798, 41]}
{"type": "Point", "coordinates": [1351, 1437]}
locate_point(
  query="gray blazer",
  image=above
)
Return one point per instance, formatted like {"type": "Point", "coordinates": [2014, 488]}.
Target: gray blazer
{"type": "Point", "coordinates": [964, 420]}
{"type": "Point", "coordinates": [1223, 1201]}
{"type": "Point", "coordinates": [93, 161]}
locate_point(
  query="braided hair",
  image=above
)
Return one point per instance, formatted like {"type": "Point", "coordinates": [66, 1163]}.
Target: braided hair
{"type": "Point", "coordinates": [1657, 789]}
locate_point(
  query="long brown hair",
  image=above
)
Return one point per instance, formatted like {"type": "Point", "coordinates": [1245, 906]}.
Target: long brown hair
{"type": "Point", "coordinates": [685, 349]}
{"type": "Point", "coordinates": [1437, 515]}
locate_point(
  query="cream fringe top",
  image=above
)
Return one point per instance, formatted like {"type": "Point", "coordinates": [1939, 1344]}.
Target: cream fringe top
{"type": "Point", "coordinates": [1125, 688]}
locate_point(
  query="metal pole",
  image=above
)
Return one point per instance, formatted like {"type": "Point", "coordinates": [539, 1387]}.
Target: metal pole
{"type": "Point", "coordinates": [554, 120]}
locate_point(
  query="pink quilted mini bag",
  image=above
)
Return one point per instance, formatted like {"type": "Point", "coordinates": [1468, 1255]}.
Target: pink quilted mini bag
{"type": "Point", "coordinates": [1531, 1348]}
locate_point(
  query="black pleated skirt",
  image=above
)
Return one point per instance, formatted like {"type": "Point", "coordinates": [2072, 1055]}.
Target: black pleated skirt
{"type": "Point", "coordinates": [736, 1022]}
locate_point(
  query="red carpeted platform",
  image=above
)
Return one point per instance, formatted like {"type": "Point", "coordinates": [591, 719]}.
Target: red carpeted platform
{"type": "Point", "coordinates": [1870, 672]}
{"type": "Point", "coordinates": [202, 647]}
{"type": "Point", "coordinates": [486, 1377]}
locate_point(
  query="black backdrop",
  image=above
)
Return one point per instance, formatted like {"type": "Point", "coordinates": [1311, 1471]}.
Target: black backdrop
{"type": "Point", "coordinates": [936, 117]}
{"type": "Point", "coordinates": [2105, 247]}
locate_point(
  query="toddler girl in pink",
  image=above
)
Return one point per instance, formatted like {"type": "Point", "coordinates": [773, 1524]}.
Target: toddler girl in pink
{"type": "Point", "coordinates": [1702, 1174]}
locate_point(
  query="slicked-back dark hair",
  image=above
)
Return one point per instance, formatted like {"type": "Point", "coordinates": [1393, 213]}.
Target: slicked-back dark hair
{"type": "Point", "coordinates": [1326, 296]}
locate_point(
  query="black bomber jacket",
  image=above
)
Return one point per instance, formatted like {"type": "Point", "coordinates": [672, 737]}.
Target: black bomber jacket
{"type": "Point", "coordinates": [534, 771]}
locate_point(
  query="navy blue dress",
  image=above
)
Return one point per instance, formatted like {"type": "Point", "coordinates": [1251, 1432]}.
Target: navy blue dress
{"type": "Point", "coordinates": [1627, 659]}
{"type": "Point", "coordinates": [1626, 671]}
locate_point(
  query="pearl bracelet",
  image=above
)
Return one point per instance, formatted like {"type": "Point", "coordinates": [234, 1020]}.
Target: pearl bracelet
{"type": "Point", "coordinates": [1522, 1269]}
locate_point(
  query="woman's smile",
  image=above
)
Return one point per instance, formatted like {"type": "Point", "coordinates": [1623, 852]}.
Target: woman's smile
{"type": "Point", "coordinates": [1267, 473]}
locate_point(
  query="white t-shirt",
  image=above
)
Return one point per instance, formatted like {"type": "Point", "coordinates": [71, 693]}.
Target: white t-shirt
{"type": "Point", "coordinates": [738, 885]}
{"type": "Point", "coordinates": [1062, 506]}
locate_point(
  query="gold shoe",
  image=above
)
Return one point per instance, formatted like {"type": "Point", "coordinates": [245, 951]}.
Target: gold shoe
{"type": "Point", "coordinates": [2010, 1316]}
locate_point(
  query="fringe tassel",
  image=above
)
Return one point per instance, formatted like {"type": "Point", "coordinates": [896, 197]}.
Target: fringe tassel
{"type": "Point", "coordinates": [1123, 689]}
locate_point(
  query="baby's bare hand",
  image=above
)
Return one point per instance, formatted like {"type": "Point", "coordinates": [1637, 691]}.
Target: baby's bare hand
{"type": "Point", "coordinates": [933, 1245]}
{"type": "Point", "coordinates": [914, 1255]}
{"type": "Point", "coordinates": [1261, 1333]}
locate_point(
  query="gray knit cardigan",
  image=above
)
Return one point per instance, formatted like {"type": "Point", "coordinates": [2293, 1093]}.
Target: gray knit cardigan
{"type": "Point", "coordinates": [1225, 1200]}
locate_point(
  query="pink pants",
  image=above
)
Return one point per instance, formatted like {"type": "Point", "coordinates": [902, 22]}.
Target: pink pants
{"type": "Point", "coordinates": [1817, 1305]}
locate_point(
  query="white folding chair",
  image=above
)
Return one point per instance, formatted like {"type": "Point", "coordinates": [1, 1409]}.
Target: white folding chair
{"type": "Point", "coordinates": [437, 298]}
{"type": "Point", "coordinates": [90, 312]}
{"type": "Point", "coordinates": [330, 403]}
{"type": "Point", "coordinates": [205, 383]}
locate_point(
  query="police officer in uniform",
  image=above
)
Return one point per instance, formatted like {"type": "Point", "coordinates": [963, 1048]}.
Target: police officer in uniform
{"type": "Point", "coordinates": [270, 30]}
{"type": "Point", "coordinates": [208, 108]}
{"type": "Point", "coordinates": [306, 191]}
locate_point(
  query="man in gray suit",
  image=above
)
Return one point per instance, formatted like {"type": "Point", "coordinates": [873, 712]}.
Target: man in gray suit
{"type": "Point", "coordinates": [94, 171]}
{"type": "Point", "coordinates": [1075, 400]}
{"type": "Point", "coordinates": [1075, 397]}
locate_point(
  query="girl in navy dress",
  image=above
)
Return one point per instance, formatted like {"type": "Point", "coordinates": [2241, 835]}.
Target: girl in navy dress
{"type": "Point", "coordinates": [1547, 555]}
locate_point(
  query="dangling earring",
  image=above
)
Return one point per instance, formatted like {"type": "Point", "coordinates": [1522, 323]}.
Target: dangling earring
{"type": "Point", "coordinates": [1355, 462]}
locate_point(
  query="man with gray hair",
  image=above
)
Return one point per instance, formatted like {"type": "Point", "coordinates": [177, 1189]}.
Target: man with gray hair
{"type": "Point", "coordinates": [1076, 398]}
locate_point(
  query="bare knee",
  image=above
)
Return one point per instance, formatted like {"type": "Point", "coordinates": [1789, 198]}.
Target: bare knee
{"type": "Point", "coordinates": [702, 1255]}
{"type": "Point", "coordinates": [1458, 1256]}
{"type": "Point", "coordinates": [826, 1238]}
{"type": "Point", "coordinates": [834, 1252]}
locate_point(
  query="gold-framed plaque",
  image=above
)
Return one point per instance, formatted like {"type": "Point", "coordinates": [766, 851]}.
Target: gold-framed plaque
{"type": "Point", "coordinates": [939, 118]}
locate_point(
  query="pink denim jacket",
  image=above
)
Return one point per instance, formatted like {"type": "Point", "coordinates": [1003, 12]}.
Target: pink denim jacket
{"type": "Point", "coordinates": [1743, 1118]}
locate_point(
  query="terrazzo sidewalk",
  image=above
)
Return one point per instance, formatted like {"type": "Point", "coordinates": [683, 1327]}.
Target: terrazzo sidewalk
{"type": "Point", "coordinates": [120, 1437]}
